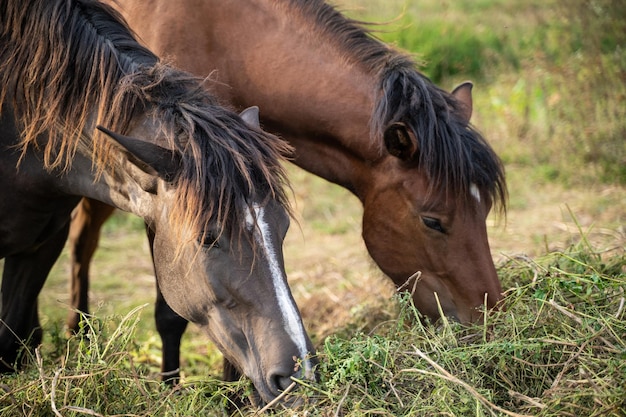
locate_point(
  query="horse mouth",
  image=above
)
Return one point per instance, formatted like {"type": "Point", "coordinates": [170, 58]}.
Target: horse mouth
{"type": "Point", "coordinates": [273, 384]}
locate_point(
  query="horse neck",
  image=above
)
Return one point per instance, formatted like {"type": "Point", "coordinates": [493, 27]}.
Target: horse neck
{"type": "Point", "coordinates": [308, 92]}
{"type": "Point", "coordinates": [121, 184]}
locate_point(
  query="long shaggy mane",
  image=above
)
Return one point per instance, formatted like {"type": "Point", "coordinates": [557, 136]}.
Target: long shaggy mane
{"type": "Point", "coordinates": [69, 65]}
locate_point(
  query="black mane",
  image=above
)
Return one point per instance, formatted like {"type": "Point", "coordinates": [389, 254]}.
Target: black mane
{"type": "Point", "coordinates": [70, 65]}
{"type": "Point", "coordinates": [452, 153]}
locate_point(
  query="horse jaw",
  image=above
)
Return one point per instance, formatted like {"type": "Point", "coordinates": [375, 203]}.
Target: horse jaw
{"type": "Point", "coordinates": [447, 271]}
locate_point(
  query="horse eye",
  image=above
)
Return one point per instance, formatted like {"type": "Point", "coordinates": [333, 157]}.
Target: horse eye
{"type": "Point", "coordinates": [209, 241]}
{"type": "Point", "coordinates": [433, 224]}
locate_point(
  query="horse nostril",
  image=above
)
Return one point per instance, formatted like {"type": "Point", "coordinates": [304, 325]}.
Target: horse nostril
{"type": "Point", "coordinates": [283, 379]}
{"type": "Point", "coordinates": [282, 382]}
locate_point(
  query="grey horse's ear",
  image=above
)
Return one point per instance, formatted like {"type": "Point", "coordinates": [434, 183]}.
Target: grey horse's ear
{"type": "Point", "coordinates": [463, 94]}
{"type": "Point", "coordinates": [399, 141]}
{"type": "Point", "coordinates": [149, 157]}
{"type": "Point", "coordinates": [251, 116]}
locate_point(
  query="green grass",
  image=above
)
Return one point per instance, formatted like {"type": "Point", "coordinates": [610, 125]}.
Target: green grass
{"type": "Point", "coordinates": [558, 349]}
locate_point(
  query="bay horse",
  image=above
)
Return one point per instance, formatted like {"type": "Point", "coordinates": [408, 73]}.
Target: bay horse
{"type": "Point", "coordinates": [357, 113]}
{"type": "Point", "coordinates": [68, 68]}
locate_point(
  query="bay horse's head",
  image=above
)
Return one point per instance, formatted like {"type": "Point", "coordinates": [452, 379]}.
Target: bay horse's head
{"type": "Point", "coordinates": [425, 223]}
{"type": "Point", "coordinates": [218, 225]}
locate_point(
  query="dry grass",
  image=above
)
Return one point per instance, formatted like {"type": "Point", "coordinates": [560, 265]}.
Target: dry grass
{"type": "Point", "coordinates": [557, 350]}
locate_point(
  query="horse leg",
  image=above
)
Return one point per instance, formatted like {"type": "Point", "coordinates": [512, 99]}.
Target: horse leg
{"type": "Point", "coordinates": [23, 277]}
{"type": "Point", "coordinates": [229, 372]}
{"type": "Point", "coordinates": [88, 218]}
{"type": "Point", "coordinates": [171, 327]}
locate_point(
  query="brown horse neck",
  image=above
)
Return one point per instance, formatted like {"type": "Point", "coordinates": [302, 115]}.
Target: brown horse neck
{"type": "Point", "coordinates": [308, 91]}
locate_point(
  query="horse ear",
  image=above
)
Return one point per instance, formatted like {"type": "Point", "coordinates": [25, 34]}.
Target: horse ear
{"type": "Point", "coordinates": [399, 141]}
{"type": "Point", "coordinates": [251, 116]}
{"type": "Point", "coordinates": [463, 94]}
{"type": "Point", "coordinates": [151, 158]}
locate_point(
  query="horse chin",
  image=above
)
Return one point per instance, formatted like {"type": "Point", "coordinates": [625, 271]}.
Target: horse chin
{"type": "Point", "coordinates": [247, 363]}
{"type": "Point", "coordinates": [290, 401]}
{"type": "Point", "coordinates": [432, 297]}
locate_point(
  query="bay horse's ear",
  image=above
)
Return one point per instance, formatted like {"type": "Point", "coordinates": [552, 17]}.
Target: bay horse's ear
{"type": "Point", "coordinates": [251, 116]}
{"type": "Point", "coordinates": [149, 157]}
{"type": "Point", "coordinates": [463, 94]}
{"type": "Point", "coordinates": [399, 141]}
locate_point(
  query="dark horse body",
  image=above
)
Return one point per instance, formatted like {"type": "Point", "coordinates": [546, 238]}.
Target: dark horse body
{"type": "Point", "coordinates": [358, 114]}
{"type": "Point", "coordinates": [69, 66]}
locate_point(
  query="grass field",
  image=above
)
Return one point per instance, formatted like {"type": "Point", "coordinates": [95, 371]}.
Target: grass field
{"type": "Point", "coordinates": [550, 95]}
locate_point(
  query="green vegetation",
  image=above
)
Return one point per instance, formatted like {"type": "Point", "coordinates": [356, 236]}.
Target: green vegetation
{"type": "Point", "coordinates": [558, 349]}
{"type": "Point", "coordinates": [550, 95]}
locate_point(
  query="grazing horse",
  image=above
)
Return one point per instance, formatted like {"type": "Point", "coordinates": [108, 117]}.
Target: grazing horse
{"type": "Point", "coordinates": [358, 114]}
{"type": "Point", "coordinates": [70, 67]}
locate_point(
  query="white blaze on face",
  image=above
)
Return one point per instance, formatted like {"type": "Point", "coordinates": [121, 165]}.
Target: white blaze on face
{"type": "Point", "coordinates": [291, 318]}
{"type": "Point", "coordinates": [475, 192]}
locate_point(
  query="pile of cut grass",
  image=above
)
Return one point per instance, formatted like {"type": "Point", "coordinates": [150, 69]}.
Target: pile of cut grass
{"type": "Point", "coordinates": [559, 349]}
